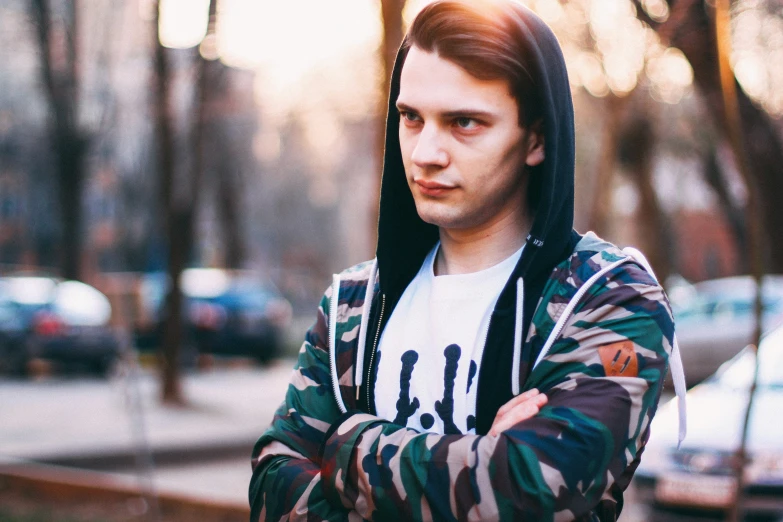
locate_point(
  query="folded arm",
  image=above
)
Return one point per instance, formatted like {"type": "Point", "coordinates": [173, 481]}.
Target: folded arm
{"type": "Point", "coordinates": [556, 465]}
{"type": "Point", "coordinates": [286, 482]}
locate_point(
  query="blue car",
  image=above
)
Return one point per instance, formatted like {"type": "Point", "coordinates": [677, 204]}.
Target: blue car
{"type": "Point", "coordinates": [66, 323]}
{"type": "Point", "coordinates": [231, 313]}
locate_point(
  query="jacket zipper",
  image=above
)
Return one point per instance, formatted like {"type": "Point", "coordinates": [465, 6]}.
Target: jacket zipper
{"type": "Point", "coordinates": [374, 348]}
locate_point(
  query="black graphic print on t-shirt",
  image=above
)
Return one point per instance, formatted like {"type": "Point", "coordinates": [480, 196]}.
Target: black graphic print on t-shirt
{"type": "Point", "coordinates": [405, 407]}
{"type": "Point", "coordinates": [471, 373]}
{"type": "Point", "coordinates": [445, 408]}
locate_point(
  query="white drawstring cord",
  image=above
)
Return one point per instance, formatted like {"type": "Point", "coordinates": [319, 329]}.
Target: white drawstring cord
{"type": "Point", "coordinates": [333, 342]}
{"type": "Point", "coordinates": [675, 361]}
{"type": "Point", "coordinates": [637, 256]}
{"type": "Point", "coordinates": [518, 337]}
{"type": "Point", "coordinates": [678, 376]}
{"type": "Point", "coordinates": [368, 295]}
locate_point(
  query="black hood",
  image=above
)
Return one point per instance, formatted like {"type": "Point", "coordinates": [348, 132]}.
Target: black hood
{"type": "Point", "coordinates": [404, 239]}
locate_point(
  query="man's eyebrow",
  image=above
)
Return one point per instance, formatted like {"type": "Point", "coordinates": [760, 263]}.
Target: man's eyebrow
{"type": "Point", "coordinates": [404, 107]}
{"type": "Point", "coordinates": [468, 113]}
{"type": "Point", "coordinates": [456, 113]}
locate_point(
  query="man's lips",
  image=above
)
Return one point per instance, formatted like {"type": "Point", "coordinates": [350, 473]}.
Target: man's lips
{"type": "Point", "coordinates": [432, 188]}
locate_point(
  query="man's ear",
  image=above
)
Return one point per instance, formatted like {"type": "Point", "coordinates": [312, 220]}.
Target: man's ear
{"type": "Point", "coordinates": [534, 141]}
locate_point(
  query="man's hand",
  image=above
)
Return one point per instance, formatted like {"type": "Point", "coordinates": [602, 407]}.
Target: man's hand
{"type": "Point", "coordinates": [520, 408]}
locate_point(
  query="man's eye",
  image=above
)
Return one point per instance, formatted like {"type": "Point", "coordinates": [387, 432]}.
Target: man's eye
{"type": "Point", "coordinates": [466, 123]}
{"type": "Point", "coordinates": [409, 116]}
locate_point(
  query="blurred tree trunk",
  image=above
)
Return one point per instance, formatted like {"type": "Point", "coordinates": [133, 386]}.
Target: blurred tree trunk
{"type": "Point", "coordinates": [733, 213]}
{"type": "Point", "coordinates": [391, 12]}
{"type": "Point", "coordinates": [58, 47]}
{"type": "Point", "coordinates": [602, 186]}
{"type": "Point", "coordinates": [225, 164]}
{"type": "Point", "coordinates": [733, 129]}
{"type": "Point", "coordinates": [229, 201]}
{"type": "Point", "coordinates": [391, 15]}
{"type": "Point", "coordinates": [180, 198]}
{"type": "Point", "coordinates": [164, 137]}
{"type": "Point", "coordinates": [690, 29]}
{"type": "Point", "coordinates": [636, 150]}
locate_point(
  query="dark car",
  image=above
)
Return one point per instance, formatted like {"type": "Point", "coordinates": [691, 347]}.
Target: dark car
{"type": "Point", "coordinates": [12, 335]}
{"type": "Point", "coordinates": [63, 322]}
{"type": "Point", "coordinates": [233, 313]}
{"type": "Point", "coordinates": [699, 476]}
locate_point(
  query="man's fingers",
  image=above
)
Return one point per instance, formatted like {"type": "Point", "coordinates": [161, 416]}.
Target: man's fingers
{"type": "Point", "coordinates": [522, 397]}
{"type": "Point", "coordinates": [522, 411]}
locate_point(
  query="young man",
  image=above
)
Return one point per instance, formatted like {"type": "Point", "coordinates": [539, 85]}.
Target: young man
{"type": "Point", "coordinates": [491, 363]}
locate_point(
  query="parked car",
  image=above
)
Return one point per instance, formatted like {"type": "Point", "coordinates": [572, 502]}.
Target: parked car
{"type": "Point", "coordinates": [63, 322]}
{"type": "Point", "coordinates": [224, 313]}
{"type": "Point", "coordinates": [12, 334]}
{"type": "Point", "coordinates": [699, 474]}
{"type": "Point", "coordinates": [714, 320]}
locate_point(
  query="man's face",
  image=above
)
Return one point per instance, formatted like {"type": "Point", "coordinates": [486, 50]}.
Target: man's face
{"type": "Point", "coordinates": [461, 143]}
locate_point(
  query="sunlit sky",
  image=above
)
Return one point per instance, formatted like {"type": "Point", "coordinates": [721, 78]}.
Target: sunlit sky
{"type": "Point", "coordinates": [289, 42]}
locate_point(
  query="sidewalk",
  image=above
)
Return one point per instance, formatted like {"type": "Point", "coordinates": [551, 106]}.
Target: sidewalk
{"type": "Point", "coordinates": [116, 425]}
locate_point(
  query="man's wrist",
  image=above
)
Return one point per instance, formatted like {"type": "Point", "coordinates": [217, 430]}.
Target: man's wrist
{"type": "Point", "coordinates": [336, 452]}
{"type": "Point", "coordinates": [333, 428]}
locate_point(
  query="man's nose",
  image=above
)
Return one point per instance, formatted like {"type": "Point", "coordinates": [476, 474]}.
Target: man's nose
{"type": "Point", "coordinates": [429, 150]}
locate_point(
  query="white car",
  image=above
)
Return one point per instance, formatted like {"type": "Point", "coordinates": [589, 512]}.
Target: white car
{"type": "Point", "coordinates": [699, 475]}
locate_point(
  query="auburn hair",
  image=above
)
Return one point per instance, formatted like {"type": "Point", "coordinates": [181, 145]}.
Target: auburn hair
{"type": "Point", "coordinates": [480, 37]}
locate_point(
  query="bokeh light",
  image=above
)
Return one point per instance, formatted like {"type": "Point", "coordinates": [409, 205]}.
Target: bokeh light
{"type": "Point", "coordinates": [183, 23]}
{"type": "Point", "coordinates": [757, 53]}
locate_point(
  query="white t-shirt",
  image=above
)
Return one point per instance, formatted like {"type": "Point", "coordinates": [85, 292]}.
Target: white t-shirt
{"type": "Point", "coordinates": [430, 351]}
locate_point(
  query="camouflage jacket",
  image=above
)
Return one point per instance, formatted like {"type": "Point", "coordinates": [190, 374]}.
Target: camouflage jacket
{"type": "Point", "coordinates": [602, 372]}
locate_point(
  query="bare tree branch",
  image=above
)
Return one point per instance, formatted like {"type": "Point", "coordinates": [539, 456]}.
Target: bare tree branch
{"type": "Point", "coordinates": [690, 28]}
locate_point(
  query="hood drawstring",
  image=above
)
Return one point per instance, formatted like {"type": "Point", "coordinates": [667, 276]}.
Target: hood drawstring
{"type": "Point", "coordinates": [518, 337]}
{"type": "Point", "coordinates": [333, 304]}
{"type": "Point", "coordinates": [675, 362]}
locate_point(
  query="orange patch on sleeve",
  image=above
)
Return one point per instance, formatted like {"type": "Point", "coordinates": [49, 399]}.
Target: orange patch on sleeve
{"type": "Point", "coordinates": [619, 359]}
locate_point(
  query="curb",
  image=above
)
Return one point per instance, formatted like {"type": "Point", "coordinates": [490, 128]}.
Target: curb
{"type": "Point", "coordinates": [55, 483]}
{"type": "Point", "coordinates": [161, 456]}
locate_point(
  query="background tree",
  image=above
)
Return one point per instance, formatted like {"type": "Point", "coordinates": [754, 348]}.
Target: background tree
{"type": "Point", "coordinates": [62, 65]}
{"type": "Point", "coordinates": [182, 179]}
{"type": "Point", "coordinates": [690, 28]}
{"type": "Point", "coordinates": [393, 32]}
{"type": "Point", "coordinates": [603, 177]}
{"type": "Point", "coordinates": [164, 137]}
{"type": "Point", "coordinates": [636, 152]}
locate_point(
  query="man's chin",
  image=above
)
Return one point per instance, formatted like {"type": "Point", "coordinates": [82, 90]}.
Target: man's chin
{"type": "Point", "coordinates": [445, 221]}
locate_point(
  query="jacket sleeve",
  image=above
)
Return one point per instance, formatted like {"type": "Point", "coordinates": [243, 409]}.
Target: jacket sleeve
{"type": "Point", "coordinates": [558, 465]}
{"type": "Point", "coordinates": [286, 481]}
